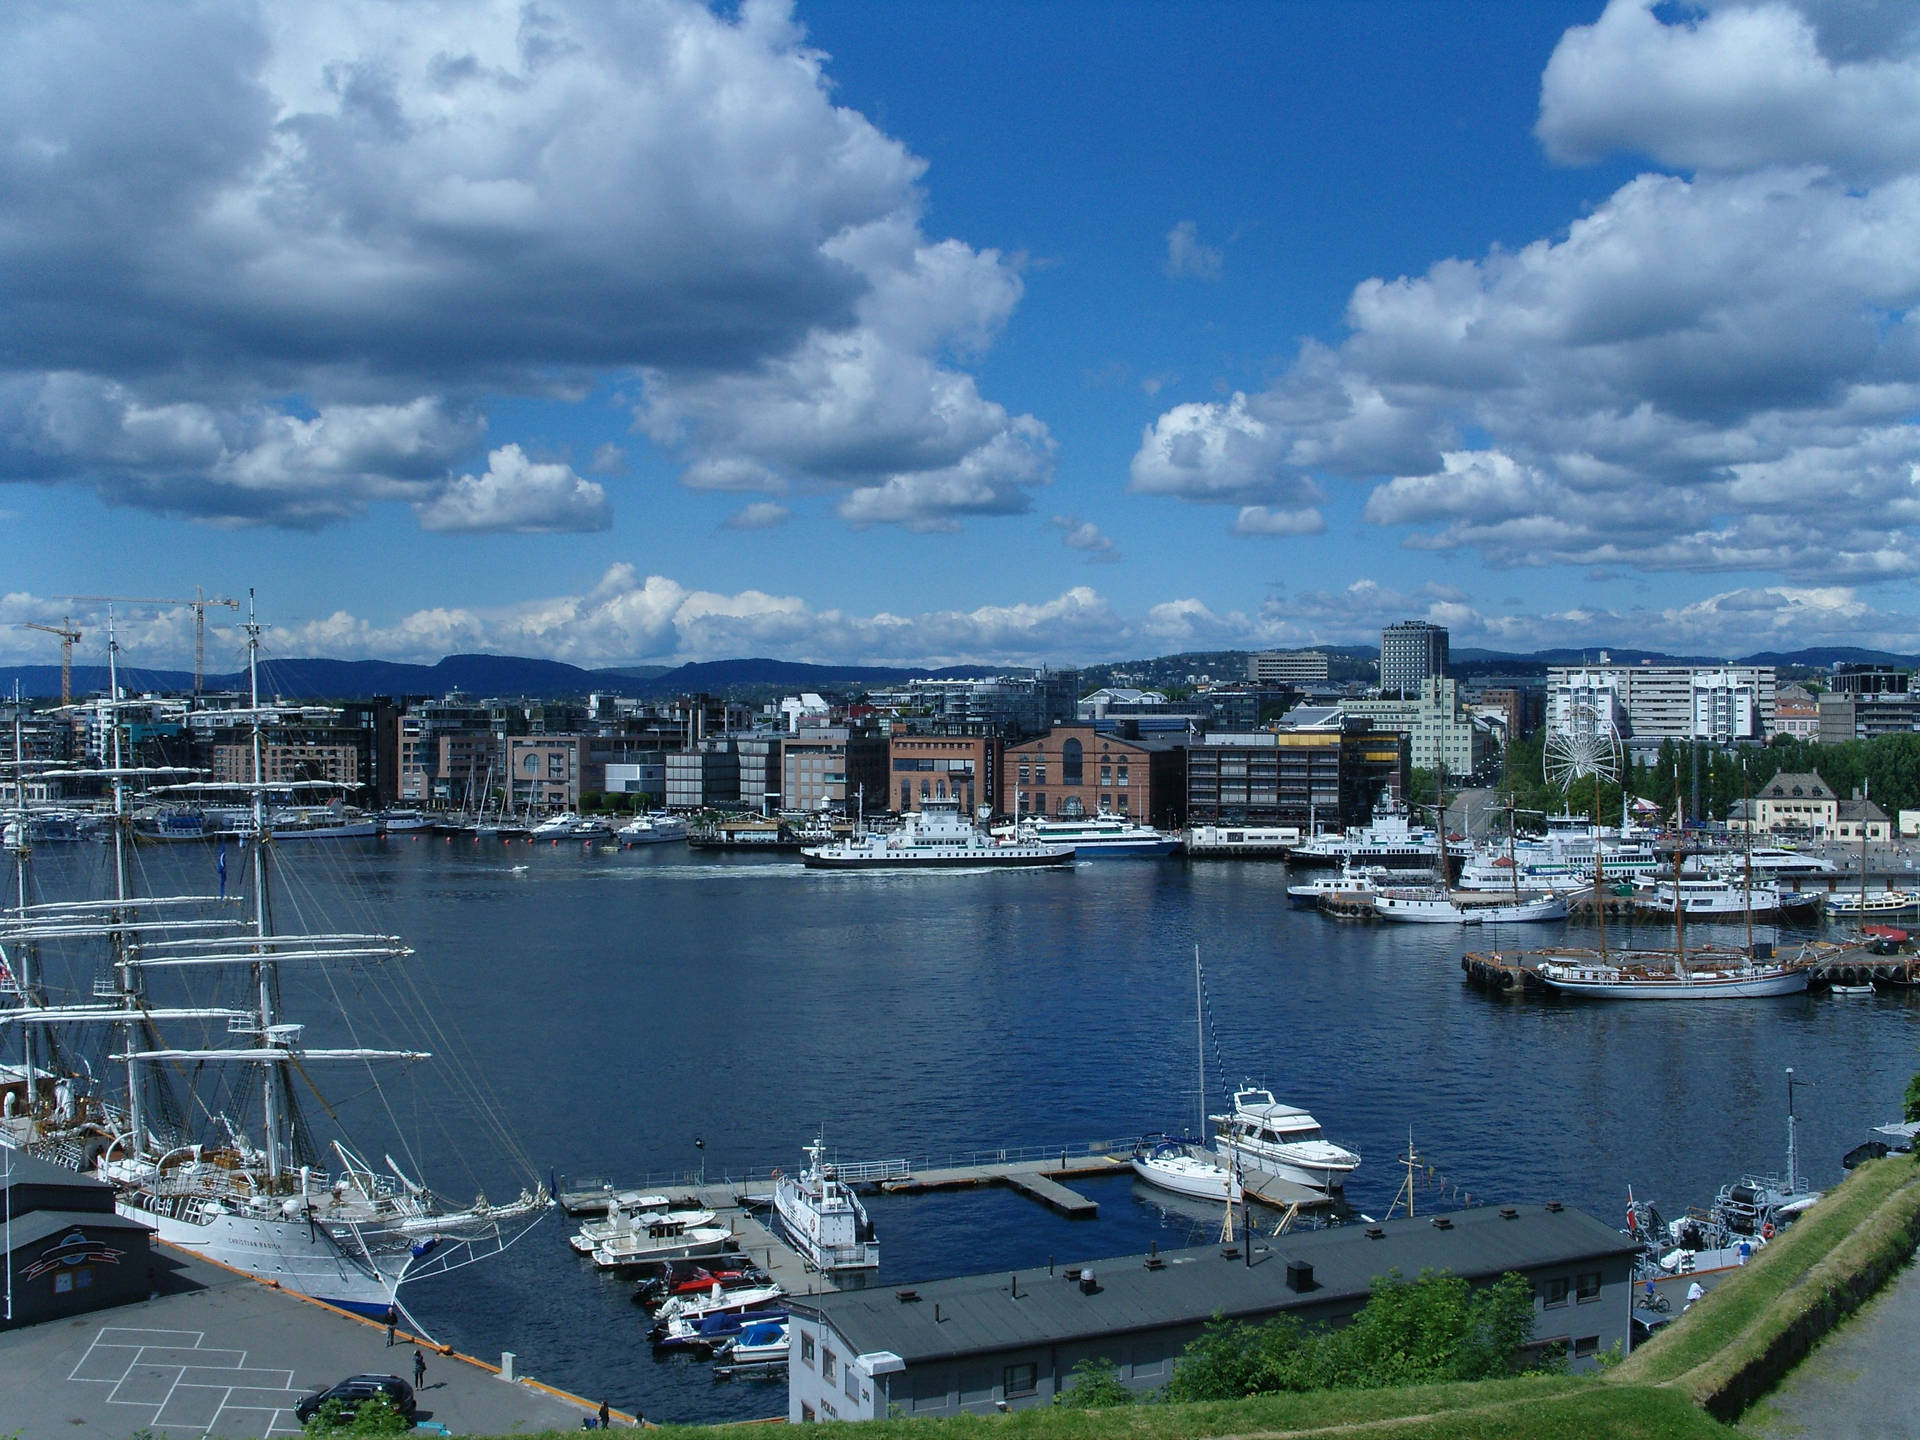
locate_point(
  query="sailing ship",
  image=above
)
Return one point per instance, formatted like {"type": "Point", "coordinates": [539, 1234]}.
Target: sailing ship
{"type": "Point", "coordinates": [208, 1142]}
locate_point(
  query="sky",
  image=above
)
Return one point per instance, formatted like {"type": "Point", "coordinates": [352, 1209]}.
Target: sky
{"type": "Point", "coordinates": [642, 331]}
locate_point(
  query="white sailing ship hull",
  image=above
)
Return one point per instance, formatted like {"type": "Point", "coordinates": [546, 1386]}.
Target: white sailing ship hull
{"type": "Point", "coordinates": [1183, 1175]}
{"type": "Point", "coordinates": [1595, 984]}
{"type": "Point", "coordinates": [293, 1254]}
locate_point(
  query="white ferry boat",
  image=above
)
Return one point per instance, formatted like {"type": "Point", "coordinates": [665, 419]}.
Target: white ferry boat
{"type": "Point", "coordinates": [1101, 834]}
{"type": "Point", "coordinates": [1263, 1134]}
{"type": "Point", "coordinates": [1390, 840]}
{"type": "Point", "coordinates": [823, 1220]}
{"type": "Point", "coordinates": [935, 837]}
{"type": "Point", "coordinates": [1722, 896]}
{"type": "Point", "coordinates": [1248, 842]}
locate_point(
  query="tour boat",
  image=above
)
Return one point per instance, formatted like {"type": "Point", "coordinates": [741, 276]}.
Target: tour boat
{"type": "Point", "coordinates": [824, 1220]}
{"type": "Point", "coordinates": [1390, 840]}
{"type": "Point", "coordinates": [1260, 1133]}
{"type": "Point", "coordinates": [937, 836]}
{"type": "Point", "coordinates": [229, 1168]}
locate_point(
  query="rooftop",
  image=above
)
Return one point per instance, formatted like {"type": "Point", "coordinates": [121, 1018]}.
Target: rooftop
{"type": "Point", "coordinates": [1003, 1311]}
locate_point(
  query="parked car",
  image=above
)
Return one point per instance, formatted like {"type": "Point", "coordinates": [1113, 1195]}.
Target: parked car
{"type": "Point", "coordinates": [351, 1391]}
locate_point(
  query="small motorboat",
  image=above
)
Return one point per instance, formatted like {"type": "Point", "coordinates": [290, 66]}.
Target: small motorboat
{"type": "Point", "coordinates": [763, 1342]}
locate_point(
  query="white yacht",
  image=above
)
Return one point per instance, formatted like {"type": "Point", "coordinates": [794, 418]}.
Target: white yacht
{"type": "Point", "coordinates": [1435, 905]}
{"type": "Point", "coordinates": [569, 826]}
{"type": "Point", "coordinates": [1101, 834]}
{"type": "Point", "coordinates": [624, 1221]}
{"type": "Point", "coordinates": [659, 1237]}
{"type": "Point", "coordinates": [1352, 880]}
{"type": "Point", "coordinates": [651, 830]}
{"type": "Point", "coordinates": [822, 1219]}
{"type": "Point", "coordinates": [1262, 1134]}
{"type": "Point", "coordinates": [937, 836]}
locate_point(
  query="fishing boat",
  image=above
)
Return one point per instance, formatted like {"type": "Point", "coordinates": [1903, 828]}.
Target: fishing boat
{"type": "Point", "coordinates": [594, 1233]}
{"type": "Point", "coordinates": [205, 1138]}
{"type": "Point", "coordinates": [1104, 834]}
{"type": "Point", "coordinates": [822, 1219]}
{"type": "Point", "coordinates": [1261, 1133]}
{"type": "Point", "coordinates": [936, 836]}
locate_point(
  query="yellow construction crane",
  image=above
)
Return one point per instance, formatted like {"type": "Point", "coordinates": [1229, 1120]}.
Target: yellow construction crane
{"type": "Point", "coordinates": [69, 637]}
{"type": "Point", "coordinates": [198, 604]}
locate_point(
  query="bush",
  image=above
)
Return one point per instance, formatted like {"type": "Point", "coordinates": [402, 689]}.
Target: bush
{"type": "Point", "coordinates": [1410, 1332]}
{"type": "Point", "coordinates": [375, 1415]}
{"type": "Point", "coordinates": [1096, 1386]}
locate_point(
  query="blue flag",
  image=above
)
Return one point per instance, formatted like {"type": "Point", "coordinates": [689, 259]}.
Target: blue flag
{"type": "Point", "coordinates": [223, 872]}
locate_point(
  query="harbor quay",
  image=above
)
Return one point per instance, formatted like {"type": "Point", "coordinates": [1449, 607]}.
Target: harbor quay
{"type": "Point", "coordinates": [217, 1352]}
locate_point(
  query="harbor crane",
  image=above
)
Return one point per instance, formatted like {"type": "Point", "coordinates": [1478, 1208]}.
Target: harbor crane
{"type": "Point", "coordinates": [69, 637]}
{"type": "Point", "coordinates": [198, 603]}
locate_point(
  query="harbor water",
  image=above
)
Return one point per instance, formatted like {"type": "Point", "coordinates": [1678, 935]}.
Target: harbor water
{"type": "Point", "coordinates": [656, 1010]}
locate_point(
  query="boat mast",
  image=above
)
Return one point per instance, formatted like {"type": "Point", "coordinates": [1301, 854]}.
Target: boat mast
{"type": "Point", "coordinates": [1793, 1166]}
{"type": "Point", "coordinates": [1599, 870]}
{"type": "Point", "coordinates": [1200, 1042]}
{"type": "Point", "coordinates": [24, 958]}
{"type": "Point", "coordinates": [1679, 903]}
{"type": "Point", "coordinates": [1747, 805]}
{"type": "Point", "coordinates": [123, 890]}
{"type": "Point", "coordinates": [1866, 790]}
{"type": "Point", "coordinates": [264, 973]}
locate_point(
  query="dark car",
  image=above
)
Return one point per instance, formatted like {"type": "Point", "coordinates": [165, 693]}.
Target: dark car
{"type": "Point", "coordinates": [354, 1389]}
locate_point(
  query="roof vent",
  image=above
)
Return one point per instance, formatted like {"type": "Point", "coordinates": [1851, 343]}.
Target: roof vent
{"type": "Point", "coordinates": [1231, 1252]}
{"type": "Point", "coordinates": [1507, 1212]}
{"type": "Point", "coordinates": [1554, 1207]}
{"type": "Point", "coordinates": [1088, 1285]}
{"type": "Point", "coordinates": [1072, 1272]}
{"type": "Point", "coordinates": [1154, 1262]}
{"type": "Point", "coordinates": [1299, 1276]}
{"type": "Point", "coordinates": [906, 1297]}
{"type": "Point", "coordinates": [1374, 1232]}
{"type": "Point", "coordinates": [1442, 1222]}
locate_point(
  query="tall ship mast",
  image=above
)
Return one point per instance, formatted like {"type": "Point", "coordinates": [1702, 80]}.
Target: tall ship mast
{"type": "Point", "coordinates": [154, 1051]}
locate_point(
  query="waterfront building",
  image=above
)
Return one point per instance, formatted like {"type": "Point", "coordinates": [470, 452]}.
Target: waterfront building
{"type": "Point", "coordinates": [1796, 712]}
{"type": "Point", "coordinates": [1859, 814]}
{"type": "Point", "coordinates": [1288, 667]}
{"type": "Point", "coordinates": [550, 772]}
{"type": "Point", "coordinates": [935, 764]}
{"type": "Point", "coordinates": [1865, 701]}
{"type": "Point", "coordinates": [1411, 651]}
{"type": "Point", "coordinates": [1325, 768]}
{"type": "Point", "coordinates": [1443, 737]}
{"type": "Point", "coordinates": [1012, 706]}
{"type": "Point", "coordinates": [1010, 1341]}
{"type": "Point", "coordinates": [1076, 770]}
{"type": "Point", "coordinates": [705, 776]}
{"type": "Point", "coordinates": [834, 769]}
{"type": "Point", "coordinates": [641, 776]}
{"type": "Point", "coordinates": [1649, 704]}
{"type": "Point", "coordinates": [1795, 801]}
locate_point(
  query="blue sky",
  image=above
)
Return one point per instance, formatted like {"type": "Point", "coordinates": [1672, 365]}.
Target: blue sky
{"type": "Point", "coordinates": [937, 332]}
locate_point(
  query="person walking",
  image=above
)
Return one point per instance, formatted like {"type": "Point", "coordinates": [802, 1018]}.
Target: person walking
{"type": "Point", "coordinates": [419, 1369]}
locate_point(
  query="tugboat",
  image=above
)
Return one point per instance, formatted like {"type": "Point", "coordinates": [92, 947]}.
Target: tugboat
{"type": "Point", "coordinates": [824, 1221]}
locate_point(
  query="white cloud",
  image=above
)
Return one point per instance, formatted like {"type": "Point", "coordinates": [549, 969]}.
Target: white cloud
{"type": "Point", "coordinates": [1264, 520]}
{"type": "Point", "coordinates": [1715, 373]}
{"type": "Point", "coordinates": [1087, 537]}
{"type": "Point", "coordinates": [1187, 258]}
{"type": "Point", "coordinates": [518, 495]}
{"type": "Point", "coordinates": [761, 515]}
{"type": "Point", "coordinates": [387, 204]}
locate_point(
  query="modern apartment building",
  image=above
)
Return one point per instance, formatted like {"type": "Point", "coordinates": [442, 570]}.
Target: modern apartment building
{"type": "Point", "coordinates": [1443, 737]}
{"type": "Point", "coordinates": [1331, 772]}
{"type": "Point", "coordinates": [1288, 667]}
{"type": "Point", "coordinates": [1411, 651]}
{"type": "Point", "coordinates": [1865, 701]}
{"type": "Point", "coordinates": [1649, 704]}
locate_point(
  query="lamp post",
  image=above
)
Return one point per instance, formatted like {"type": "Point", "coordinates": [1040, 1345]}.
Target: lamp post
{"type": "Point", "coordinates": [701, 1146]}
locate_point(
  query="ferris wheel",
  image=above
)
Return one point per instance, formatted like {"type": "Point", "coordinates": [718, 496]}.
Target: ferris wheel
{"type": "Point", "coordinates": [1586, 742]}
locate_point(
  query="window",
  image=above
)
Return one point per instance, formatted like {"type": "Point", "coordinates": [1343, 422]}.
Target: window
{"type": "Point", "coordinates": [1587, 1287]}
{"type": "Point", "coordinates": [806, 1348]}
{"type": "Point", "coordinates": [1585, 1345]}
{"type": "Point", "coordinates": [827, 1360]}
{"type": "Point", "coordinates": [1106, 776]}
{"type": "Point", "coordinates": [853, 1383]}
{"type": "Point", "coordinates": [1020, 1380]}
{"type": "Point", "coordinates": [1070, 766]}
{"type": "Point", "coordinates": [806, 1414]}
{"type": "Point", "coordinates": [1039, 772]}
{"type": "Point", "coordinates": [1025, 772]}
{"type": "Point", "coordinates": [1121, 778]}
{"type": "Point", "coordinates": [1556, 1292]}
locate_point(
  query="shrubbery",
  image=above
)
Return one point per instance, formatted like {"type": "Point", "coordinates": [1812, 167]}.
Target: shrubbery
{"type": "Point", "coordinates": [1410, 1332]}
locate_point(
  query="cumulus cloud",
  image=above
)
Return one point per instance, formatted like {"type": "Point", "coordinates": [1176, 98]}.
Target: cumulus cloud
{"type": "Point", "coordinates": [1711, 371]}
{"type": "Point", "coordinates": [387, 205]}
{"type": "Point", "coordinates": [1187, 258]}
{"type": "Point", "coordinates": [518, 495]}
{"type": "Point", "coordinates": [1087, 537]}
{"type": "Point", "coordinates": [1264, 520]}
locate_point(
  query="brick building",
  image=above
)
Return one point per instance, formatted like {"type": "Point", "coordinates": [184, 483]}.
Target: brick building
{"type": "Point", "coordinates": [1081, 770]}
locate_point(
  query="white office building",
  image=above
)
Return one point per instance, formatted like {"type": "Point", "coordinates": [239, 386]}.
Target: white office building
{"type": "Point", "coordinates": [1648, 704]}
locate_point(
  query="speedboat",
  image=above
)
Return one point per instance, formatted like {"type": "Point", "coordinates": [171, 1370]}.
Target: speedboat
{"type": "Point", "coordinates": [763, 1342]}
{"type": "Point", "coordinates": [937, 836]}
{"type": "Point", "coordinates": [1185, 1169]}
{"type": "Point", "coordinates": [709, 1331]}
{"type": "Point", "coordinates": [822, 1219]}
{"type": "Point", "coordinates": [1261, 1133]}
{"type": "Point", "coordinates": [679, 1320]}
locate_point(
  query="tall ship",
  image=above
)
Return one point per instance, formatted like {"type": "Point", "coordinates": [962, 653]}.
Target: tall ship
{"type": "Point", "coordinates": [204, 1135]}
{"type": "Point", "coordinates": [935, 837]}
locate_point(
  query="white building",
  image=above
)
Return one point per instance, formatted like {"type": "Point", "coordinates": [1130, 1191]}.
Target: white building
{"type": "Point", "coordinates": [1288, 667]}
{"type": "Point", "coordinates": [1442, 736]}
{"type": "Point", "coordinates": [1651, 703]}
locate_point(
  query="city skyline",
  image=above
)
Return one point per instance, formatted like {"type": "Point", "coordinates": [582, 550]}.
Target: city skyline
{"type": "Point", "coordinates": [1005, 334]}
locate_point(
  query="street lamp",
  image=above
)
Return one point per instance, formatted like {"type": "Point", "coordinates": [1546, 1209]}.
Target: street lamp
{"type": "Point", "coordinates": [701, 1146]}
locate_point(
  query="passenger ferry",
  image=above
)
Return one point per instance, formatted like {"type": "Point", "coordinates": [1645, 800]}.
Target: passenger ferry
{"type": "Point", "coordinates": [936, 837]}
{"type": "Point", "coordinates": [1097, 835]}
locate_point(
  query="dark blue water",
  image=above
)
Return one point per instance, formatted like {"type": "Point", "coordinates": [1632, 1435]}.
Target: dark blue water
{"type": "Point", "coordinates": [619, 1005]}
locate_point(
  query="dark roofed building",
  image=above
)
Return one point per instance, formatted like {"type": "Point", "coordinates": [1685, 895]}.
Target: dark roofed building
{"type": "Point", "coordinates": [1012, 1340]}
{"type": "Point", "coordinates": [67, 1251]}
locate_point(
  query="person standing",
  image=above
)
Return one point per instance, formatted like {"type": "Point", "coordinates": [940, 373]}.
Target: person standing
{"type": "Point", "coordinates": [419, 1369]}
{"type": "Point", "coordinates": [606, 1416]}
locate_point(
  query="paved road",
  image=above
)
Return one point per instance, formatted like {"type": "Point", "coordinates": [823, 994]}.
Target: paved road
{"type": "Point", "coordinates": [220, 1354]}
{"type": "Point", "coordinates": [1860, 1383]}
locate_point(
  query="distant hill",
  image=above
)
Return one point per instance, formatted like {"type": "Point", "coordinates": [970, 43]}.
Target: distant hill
{"type": "Point", "coordinates": [1825, 657]}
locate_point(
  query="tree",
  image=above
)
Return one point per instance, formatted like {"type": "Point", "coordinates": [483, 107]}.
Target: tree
{"type": "Point", "coordinates": [1232, 1361]}
{"type": "Point", "coordinates": [374, 1415]}
{"type": "Point", "coordinates": [1096, 1386]}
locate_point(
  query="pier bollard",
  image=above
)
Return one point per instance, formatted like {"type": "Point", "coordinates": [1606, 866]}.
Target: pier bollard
{"type": "Point", "coordinates": [507, 1357]}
